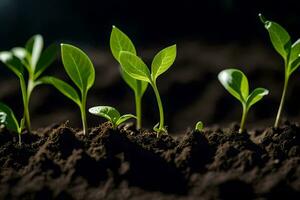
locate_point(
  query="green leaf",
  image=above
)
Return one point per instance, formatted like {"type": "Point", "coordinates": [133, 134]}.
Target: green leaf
{"type": "Point", "coordinates": [63, 87]}
{"type": "Point", "coordinates": [235, 82]}
{"type": "Point", "coordinates": [294, 61]}
{"type": "Point", "coordinates": [255, 96]}
{"type": "Point", "coordinates": [295, 51]}
{"type": "Point", "coordinates": [119, 41]}
{"type": "Point", "coordinates": [10, 122]}
{"type": "Point", "coordinates": [19, 52]}
{"type": "Point", "coordinates": [34, 46]}
{"type": "Point", "coordinates": [12, 63]}
{"type": "Point", "coordinates": [133, 83]}
{"type": "Point", "coordinates": [47, 57]}
{"type": "Point", "coordinates": [134, 66]}
{"type": "Point", "coordinates": [107, 112]}
{"type": "Point", "coordinates": [199, 126]}
{"type": "Point", "coordinates": [280, 38]}
{"type": "Point", "coordinates": [163, 61]}
{"type": "Point", "coordinates": [124, 118]}
{"type": "Point", "coordinates": [78, 66]}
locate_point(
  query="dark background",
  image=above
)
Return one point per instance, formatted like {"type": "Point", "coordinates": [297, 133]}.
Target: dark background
{"type": "Point", "coordinates": [90, 21]}
{"type": "Point", "coordinates": [211, 35]}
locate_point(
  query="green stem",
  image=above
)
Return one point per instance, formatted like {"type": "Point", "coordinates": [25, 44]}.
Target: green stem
{"type": "Point", "coordinates": [25, 98]}
{"type": "Point", "coordinates": [138, 111]}
{"type": "Point", "coordinates": [286, 81]}
{"type": "Point", "coordinates": [160, 107]}
{"type": "Point", "coordinates": [20, 141]}
{"type": "Point", "coordinates": [244, 116]}
{"type": "Point", "coordinates": [83, 113]}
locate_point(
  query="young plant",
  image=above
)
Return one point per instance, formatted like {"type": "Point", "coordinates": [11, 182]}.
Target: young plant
{"type": "Point", "coordinates": [290, 53]}
{"type": "Point", "coordinates": [111, 114]}
{"type": "Point", "coordinates": [119, 41]}
{"type": "Point", "coordinates": [199, 126]}
{"type": "Point", "coordinates": [137, 69]}
{"type": "Point", "coordinates": [81, 71]}
{"type": "Point", "coordinates": [236, 83]}
{"type": "Point", "coordinates": [35, 61]}
{"type": "Point", "coordinates": [8, 119]}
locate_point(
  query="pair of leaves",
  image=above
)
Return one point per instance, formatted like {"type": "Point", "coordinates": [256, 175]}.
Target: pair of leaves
{"type": "Point", "coordinates": [281, 42]}
{"type": "Point", "coordinates": [137, 69]}
{"type": "Point", "coordinates": [8, 119]}
{"type": "Point", "coordinates": [119, 42]}
{"type": "Point", "coordinates": [32, 57]}
{"type": "Point", "coordinates": [111, 114]}
{"type": "Point", "coordinates": [236, 83]}
{"type": "Point", "coordinates": [79, 68]}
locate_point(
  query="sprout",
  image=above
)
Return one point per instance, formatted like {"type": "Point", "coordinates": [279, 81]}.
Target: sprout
{"type": "Point", "coordinates": [137, 69]}
{"type": "Point", "coordinates": [81, 71]}
{"type": "Point", "coordinates": [290, 53]}
{"type": "Point", "coordinates": [35, 61]}
{"type": "Point", "coordinates": [199, 126]}
{"type": "Point", "coordinates": [111, 114]}
{"type": "Point", "coordinates": [119, 41]}
{"type": "Point", "coordinates": [236, 83]}
{"type": "Point", "coordinates": [8, 119]}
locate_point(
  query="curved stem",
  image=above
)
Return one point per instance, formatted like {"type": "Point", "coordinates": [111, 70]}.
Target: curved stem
{"type": "Point", "coordinates": [286, 81]}
{"type": "Point", "coordinates": [160, 107]}
{"type": "Point", "coordinates": [83, 113]}
{"type": "Point", "coordinates": [244, 116]}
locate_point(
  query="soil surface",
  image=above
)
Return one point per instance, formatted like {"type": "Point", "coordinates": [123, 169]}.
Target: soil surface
{"type": "Point", "coordinates": [61, 163]}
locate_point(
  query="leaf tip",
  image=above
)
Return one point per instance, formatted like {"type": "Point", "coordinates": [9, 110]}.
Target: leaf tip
{"type": "Point", "coordinates": [262, 18]}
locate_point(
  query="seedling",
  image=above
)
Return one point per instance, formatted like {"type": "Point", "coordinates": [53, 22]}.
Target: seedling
{"type": "Point", "coordinates": [199, 126]}
{"type": "Point", "coordinates": [111, 114]}
{"type": "Point", "coordinates": [81, 71]}
{"type": "Point", "coordinates": [8, 119]}
{"type": "Point", "coordinates": [35, 61]}
{"type": "Point", "coordinates": [236, 83]}
{"type": "Point", "coordinates": [137, 69]}
{"type": "Point", "coordinates": [290, 53]}
{"type": "Point", "coordinates": [119, 41]}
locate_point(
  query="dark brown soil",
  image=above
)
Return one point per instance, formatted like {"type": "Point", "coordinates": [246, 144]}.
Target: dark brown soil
{"type": "Point", "coordinates": [60, 163]}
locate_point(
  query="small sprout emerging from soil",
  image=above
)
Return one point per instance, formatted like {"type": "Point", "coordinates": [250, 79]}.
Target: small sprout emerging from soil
{"type": "Point", "coordinates": [137, 69]}
{"type": "Point", "coordinates": [81, 71]}
{"type": "Point", "coordinates": [290, 53]}
{"type": "Point", "coordinates": [111, 114]}
{"type": "Point", "coordinates": [119, 41]}
{"type": "Point", "coordinates": [236, 83]}
{"type": "Point", "coordinates": [199, 126]}
{"type": "Point", "coordinates": [8, 119]}
{"type": "Point", "coordinates": [35, 61]}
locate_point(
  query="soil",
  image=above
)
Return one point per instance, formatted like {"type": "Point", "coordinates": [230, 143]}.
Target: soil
{"type": "Point", "coordinates": [61, 163]}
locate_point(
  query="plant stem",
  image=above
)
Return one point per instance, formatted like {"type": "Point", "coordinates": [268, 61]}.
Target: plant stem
{"type": "Point", "coordinates": [138, 111]}
{"type": "Point", "coordinates": [286, 81]}
{"type": "Point", "coordinates": [25, 98]}
{"type": "Point", "coordinates": [83, 113]}
{"type": "Point", "coordinates": [244, 116]}
{"type": "Point", "coordinates": [160, 107]}
{"type": "Point", "coordinates": [20, 141]}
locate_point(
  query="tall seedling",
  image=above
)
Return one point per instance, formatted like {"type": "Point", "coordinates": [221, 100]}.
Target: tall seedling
{"type": "Point", "coordinates": [35, 61]}
{"type": "Point", "coordinates": [81, 71]}
{"type": "Point", "coordinates": [137, 69]}
{"type": "Point", "coordinates": [290, 52]}
{"type": "Point", "coordinates": [119, 41]}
